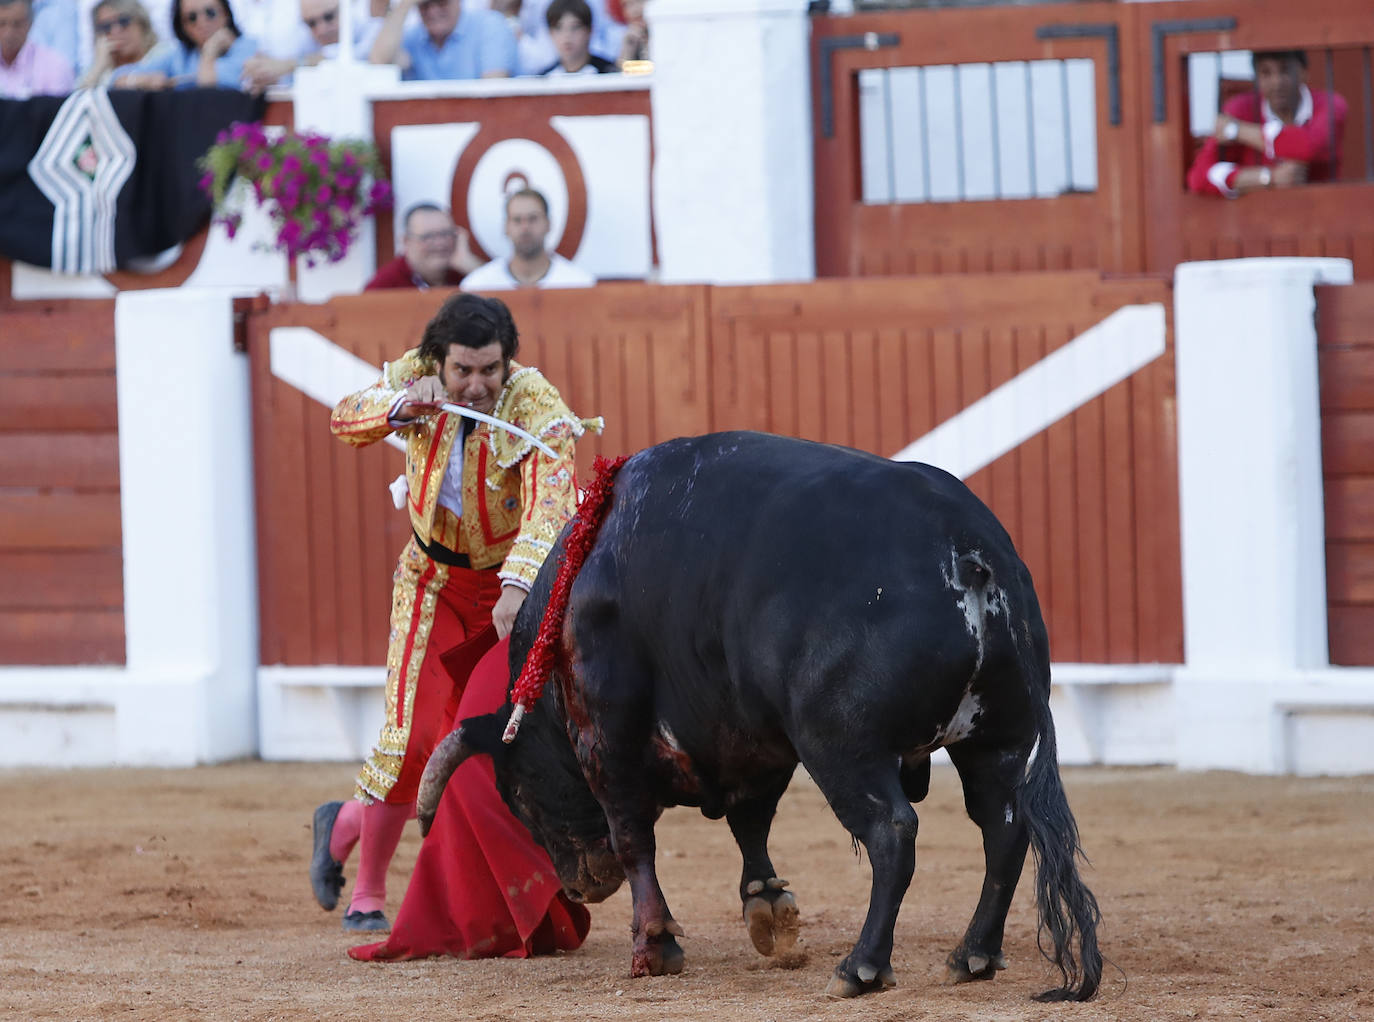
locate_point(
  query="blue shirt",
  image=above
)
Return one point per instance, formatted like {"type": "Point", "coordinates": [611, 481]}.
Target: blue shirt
{"type": "Point", "coordinates": [481, 42]}
{"type": "Point", "coordinates": [54, 25]}
{"type": "Point", "coordinates": [180, 64]}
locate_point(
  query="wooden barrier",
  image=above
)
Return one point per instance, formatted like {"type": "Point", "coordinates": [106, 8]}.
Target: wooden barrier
{"type": "Point", "coordinates": [1091, 502]}
{"type": "Point", "coordinates": [1345, 327]}
{"type": "Point", "coordinates": [1140, 218]}
{"type": "Point", "coordinates": [62, 600]}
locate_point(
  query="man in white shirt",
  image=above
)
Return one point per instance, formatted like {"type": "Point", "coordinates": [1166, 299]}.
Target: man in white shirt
{"type": "Point", "coordinates": [531, 264]}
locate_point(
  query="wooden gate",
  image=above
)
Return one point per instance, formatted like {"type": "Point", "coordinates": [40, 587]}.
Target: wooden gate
{"type": "Point", "coordinates": [1345, 347]}
{"type": "Point", "coordinates": [1097, 230]}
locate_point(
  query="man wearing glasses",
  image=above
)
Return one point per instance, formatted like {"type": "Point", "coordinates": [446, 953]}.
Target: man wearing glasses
{"type": "Point", "coordinates": [434, 253]}
{"type": "Point", "coordinates": [449, 42]}
{"type": "Point", "coordinates": [321, 20]}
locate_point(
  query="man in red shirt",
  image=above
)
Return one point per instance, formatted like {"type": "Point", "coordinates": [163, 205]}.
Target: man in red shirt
{"type": "Point", "coordinates": [434, 253]}
{"type": "Point", "coordinates": [1281, 134]}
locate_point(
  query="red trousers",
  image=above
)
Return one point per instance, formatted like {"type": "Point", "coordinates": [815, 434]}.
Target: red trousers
{"type": "Point", "coordinates": [434, 609]}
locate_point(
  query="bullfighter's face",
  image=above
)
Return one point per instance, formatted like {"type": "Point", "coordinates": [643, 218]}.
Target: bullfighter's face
{"type": "Point", "coordinates": [475, 376]}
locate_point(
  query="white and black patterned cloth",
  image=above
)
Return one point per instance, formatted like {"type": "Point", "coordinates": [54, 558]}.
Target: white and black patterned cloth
{"type": "Point", "coordinates": [94, 180]}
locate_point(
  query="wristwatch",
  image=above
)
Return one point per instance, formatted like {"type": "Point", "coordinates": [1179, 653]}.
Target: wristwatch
{"type": "Point", "coordinates": [1265, 177]}
{"type": "Point", "coordinates": [1231, 132]}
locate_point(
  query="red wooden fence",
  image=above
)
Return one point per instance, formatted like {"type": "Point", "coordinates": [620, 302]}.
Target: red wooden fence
{"type": "Point", "coordinates": [61, 561]}
{"type": "Point", "coordinates": [1345, 326]}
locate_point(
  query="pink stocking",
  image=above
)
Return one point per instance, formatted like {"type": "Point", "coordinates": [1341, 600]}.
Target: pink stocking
{"type": "Point", "coordinates": [347, 826]}
{"type": "Point", "coordinates": [382, 825]}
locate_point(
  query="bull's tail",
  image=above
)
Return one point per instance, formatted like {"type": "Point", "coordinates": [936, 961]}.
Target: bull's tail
{"type": "Point", "coordinates": [1067, 911]}
{"type": "Point", "coordinates": [576, 546]}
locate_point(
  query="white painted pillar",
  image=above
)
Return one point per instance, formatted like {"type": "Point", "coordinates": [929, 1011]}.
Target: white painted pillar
{"type": "Point", "coordinates": [186, 508]}
{"type": "Point", "coordinates": [333, 99]}
{"type": "Point", "coordinates": [1250, 496]}
{"type": "Point", "coordinates": [732, 140]}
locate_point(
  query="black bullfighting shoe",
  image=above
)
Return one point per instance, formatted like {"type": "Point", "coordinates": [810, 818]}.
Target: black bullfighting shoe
{"type": "Point", "coordinates": [326, 872]}
{"type": "Point", "coordinates": [364, 922]}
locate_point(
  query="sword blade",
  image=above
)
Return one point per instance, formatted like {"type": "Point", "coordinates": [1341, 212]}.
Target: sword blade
{"type": "Point", "coordinates": [471, 413]}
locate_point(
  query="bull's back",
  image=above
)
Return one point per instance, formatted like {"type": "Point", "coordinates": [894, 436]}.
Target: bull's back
{"type": "Point", "coordinates": [767, 582]}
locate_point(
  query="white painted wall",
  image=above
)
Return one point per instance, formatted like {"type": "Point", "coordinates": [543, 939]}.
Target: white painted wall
{"type": "Point", "coordinates": [1257, 693]}
{"type": "Point", "coordinates": [732, 140]}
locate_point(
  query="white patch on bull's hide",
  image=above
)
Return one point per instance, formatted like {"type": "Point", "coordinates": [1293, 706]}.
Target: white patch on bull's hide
{"type": "Point", "coordinates": [1010, 815]}
{"type": "Point", "coordinates": [976, 604]}
{"type": "Point", "coordinates": [965, 717]}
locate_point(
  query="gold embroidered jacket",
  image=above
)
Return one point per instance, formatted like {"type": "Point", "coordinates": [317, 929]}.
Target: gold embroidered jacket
{"type": "Point", "coordinates": [516, 499]}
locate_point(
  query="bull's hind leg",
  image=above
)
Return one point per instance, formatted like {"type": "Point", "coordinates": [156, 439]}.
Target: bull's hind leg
{"type": "Point", "coordinates": [870, 803]}
{"type": "Point", "coordinates": [989, 779]}
{"type": "Point", "coordinates": [770, 912]}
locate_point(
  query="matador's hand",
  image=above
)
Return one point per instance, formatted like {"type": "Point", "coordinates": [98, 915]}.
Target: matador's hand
{"type": "Point", "coordinates": [503, 614]}
{"type": "Point", "coordinates": [423, 397]}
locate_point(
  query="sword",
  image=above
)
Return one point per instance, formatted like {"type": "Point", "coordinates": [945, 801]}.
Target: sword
{"type": "Point", "coordinates": [500, 424]}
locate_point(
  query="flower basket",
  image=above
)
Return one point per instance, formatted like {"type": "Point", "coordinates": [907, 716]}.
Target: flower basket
{"type": "Point", "coordinates": [316, 190]}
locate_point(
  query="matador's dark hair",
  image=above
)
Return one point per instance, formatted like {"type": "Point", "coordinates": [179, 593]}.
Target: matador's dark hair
{"type": "Point", "coordinates": [472, 321]}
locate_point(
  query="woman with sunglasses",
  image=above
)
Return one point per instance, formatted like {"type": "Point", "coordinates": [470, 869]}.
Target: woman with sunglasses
{"type": "Point", "coordinates": [211, 51]}
{"type": "Point", "coordinates": [123, 36]}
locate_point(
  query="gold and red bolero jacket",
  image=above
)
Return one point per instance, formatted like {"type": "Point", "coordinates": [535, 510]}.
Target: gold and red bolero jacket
{"type": "Point", "coordinates": [516, 499]}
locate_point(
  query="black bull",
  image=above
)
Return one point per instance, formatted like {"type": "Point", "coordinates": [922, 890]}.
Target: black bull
{"type": "Point", "coordinates": [753, 601]}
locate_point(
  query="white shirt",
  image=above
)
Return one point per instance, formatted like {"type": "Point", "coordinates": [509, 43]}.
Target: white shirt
{"type": "Point", "coordinates": [496, 276]}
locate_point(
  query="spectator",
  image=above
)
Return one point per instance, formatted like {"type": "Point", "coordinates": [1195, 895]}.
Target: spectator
{"type": "Point", "coordinates": [634, 44]}
{"type": "Point", "coordinates": [530, 264]}
{"type": "Point", "coordinates": [537, 51]}
{"type": "Point", "coordinates": [1280, 135]}
{"type": "Point", "coordinates": [321, 20]}
{"type": "Point", "coordinates": [529, 53]}
{"type": "Point", "coordinates": [449, 42]}
{"type": "Point", "coordinates": [27, 67]}
{"type": "Point", "coordinates": [123, 36]}
{"type": "Point", "coordinates": [211, 51]}
{"type": "Point", "coordinates": [570, 27]}
{"type": "Point", "coordinates": [434, 253]}
{"type": "Point", "coordinates": [55, 26]}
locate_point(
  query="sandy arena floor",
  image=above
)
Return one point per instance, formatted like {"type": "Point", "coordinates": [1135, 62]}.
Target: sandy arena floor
{"type": "Point", "coordinates": [182, 895]}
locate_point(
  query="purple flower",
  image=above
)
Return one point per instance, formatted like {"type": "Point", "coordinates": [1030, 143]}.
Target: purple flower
{"type": "Point", "coordinates": [232, 224]}
{"type": "Point", "coordinates": [324, 194]}
{"type": "Point", "coordinates": [264, 161]}
{"type": "Point", "coordinates": [290, 163]}
{"type": "Point", "coordinates": [207, 183]}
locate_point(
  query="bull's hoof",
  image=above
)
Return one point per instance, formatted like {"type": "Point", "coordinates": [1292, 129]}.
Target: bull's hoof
{"type": "Point", "coordinates": [968, 967]}
{"type": "Point", "coordinates": [773, 922]}
{"type": "Point", "coordinates": [661, 957]}
{"type": "Point", "coordinates": [865, 980]}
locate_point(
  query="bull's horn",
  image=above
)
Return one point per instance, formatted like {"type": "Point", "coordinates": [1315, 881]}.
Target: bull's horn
{"type": "Point", "coordinates": [442, 762]}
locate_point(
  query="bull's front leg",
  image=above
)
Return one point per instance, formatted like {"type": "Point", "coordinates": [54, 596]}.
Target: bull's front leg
{"type": "Point", "coordinates": [656, 951]}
